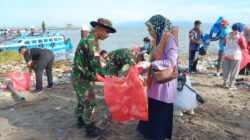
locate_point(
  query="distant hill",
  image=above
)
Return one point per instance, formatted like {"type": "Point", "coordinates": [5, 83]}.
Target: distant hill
{"type": "Point", "coordinates": [67, 26]}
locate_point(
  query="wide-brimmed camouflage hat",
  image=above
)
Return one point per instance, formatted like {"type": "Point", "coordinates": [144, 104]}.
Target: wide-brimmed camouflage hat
{"type": "Point", "coordinates": [104, 23]}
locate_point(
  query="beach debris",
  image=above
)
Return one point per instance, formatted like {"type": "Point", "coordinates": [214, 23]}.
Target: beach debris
{"type": "Point", "coordinates": [60, 130]}
{"type": "Point", "coordinates": [237, 114]}
{"type": "Point", "coordinates": [243, 83]}
{"type": "Point", "coordinates": [206, 62]}
{"type": "Point", "coordinates": [15, 94]}
{"type": "Point", "coordinates": [61, 75]}
{"type": "Point", "coordinates": [58, 108]}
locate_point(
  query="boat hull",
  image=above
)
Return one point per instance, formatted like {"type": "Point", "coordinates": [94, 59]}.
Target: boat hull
{"type": "Point", "coordinates": [55, 47]}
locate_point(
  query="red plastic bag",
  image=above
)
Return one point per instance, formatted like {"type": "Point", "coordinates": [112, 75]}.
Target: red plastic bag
{"type": "Point", "coordinates": [136, 49]}
{"type": "Point", "coordinates": [127, 98]}
{"type": "Point", "coordinates": [245, 59]}
{"type": "Point", "coordinates": [21, 81]}
{"type": "Point", "coordinates": [99, 78]}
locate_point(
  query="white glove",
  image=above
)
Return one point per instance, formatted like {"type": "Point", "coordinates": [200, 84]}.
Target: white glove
{"type": "Point", "coordinates": [141, 78]}
{"type": "Point", "coordinates": [143, 64]}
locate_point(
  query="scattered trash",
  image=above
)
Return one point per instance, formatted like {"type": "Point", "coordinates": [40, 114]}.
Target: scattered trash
{"type": "Point", "coordinates": [242, 83]}
{"type": "Point", "coordinates": [60, 130]}
{"type": "Point", "coordinates": [208, 61]}
{"type": "Point", "coordinates": [237, 114]}
{"type": "Point", "coordinates": [13, 75]}
{"type": "Point", "coordinates": [58, 108]}
{"type": "Point", "coordinates": [3, 84]}
{"type": "Point", "coordinates": [15, 94]}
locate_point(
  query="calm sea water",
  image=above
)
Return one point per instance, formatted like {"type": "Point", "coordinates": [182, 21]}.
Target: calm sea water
{"type": "Point", "coordinates": [127, 37]}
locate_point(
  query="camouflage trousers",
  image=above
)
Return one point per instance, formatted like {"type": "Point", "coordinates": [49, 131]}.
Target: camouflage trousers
{"type": "Point", "coordinates": [85, 98]}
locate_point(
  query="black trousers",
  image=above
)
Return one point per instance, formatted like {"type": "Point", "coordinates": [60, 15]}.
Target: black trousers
{"type": "Point", "coordinates": [193, 61]}
{"type": "Point", "coordinates": [44, 63]}
{"type": "Point", "coordinates": [160, 123]}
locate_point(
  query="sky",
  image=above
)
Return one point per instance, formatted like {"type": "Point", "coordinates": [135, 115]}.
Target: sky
{"type": "Point", "coordinates": [77, 12]}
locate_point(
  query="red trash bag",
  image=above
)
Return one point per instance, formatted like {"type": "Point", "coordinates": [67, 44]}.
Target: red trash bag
{"type": "Point", "coordinates": [136, 49]}
{"type": "Point", "coordinates": [245, 59]}
{"type": "Point", "coordinates": [99, 78]}
{"type": "Point", "coordinates": [127, 98]}
{"type": "Point", "coordinates": [21, 81]}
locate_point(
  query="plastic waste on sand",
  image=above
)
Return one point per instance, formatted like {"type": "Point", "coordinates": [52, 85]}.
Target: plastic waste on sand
{"type": "Point", "coordinates": [126, 98]}
{"type": "Point", "coordinates": [185, 99]}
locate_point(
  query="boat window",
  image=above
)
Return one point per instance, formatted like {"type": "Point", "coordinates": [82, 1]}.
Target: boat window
{"type": "Point", "coordinates": [19, 41]}
{"type": "Point", "coordinates": [55, 39]}
{"type": "Point", "coordinates": [34, 41]}
{"type": "Point", "coordinates": [60, 39]}
{"type": "Point", "coordinates": [50, 40]}
{"type": "Point", "coordinates": [45, 40]}
{"type": "Point", "coordinates": [40, 41]}
{"type": "Point", "coordinates": [27, 42]}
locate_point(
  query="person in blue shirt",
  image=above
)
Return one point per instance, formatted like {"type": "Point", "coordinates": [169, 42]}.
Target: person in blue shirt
{"type": "Point", "coordinates": [146, 47]}
{"type": "Point", "coordinates": [221, 38]}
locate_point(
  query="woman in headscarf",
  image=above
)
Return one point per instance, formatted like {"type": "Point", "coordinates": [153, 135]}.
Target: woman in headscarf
{"type": "Point", "coordinates": [164, 53]}
{"type": "Point", "coordinates": [235, 46]}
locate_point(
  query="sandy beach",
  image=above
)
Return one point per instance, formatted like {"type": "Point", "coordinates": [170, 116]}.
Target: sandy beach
{"type": "Point", "coordinates": [52, 37]}
{"type": "Point", "coordinates": [49, 116]}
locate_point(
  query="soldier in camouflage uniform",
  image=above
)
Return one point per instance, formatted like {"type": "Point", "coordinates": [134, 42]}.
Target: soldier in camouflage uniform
{"type": "Point", "coordinates": [120, 60]}
{"type": "Point", "coordinates": [84, 70]}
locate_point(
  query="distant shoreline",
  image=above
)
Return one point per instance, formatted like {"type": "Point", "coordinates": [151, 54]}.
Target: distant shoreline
{"type": "Point", "coordinates": [63, 28]}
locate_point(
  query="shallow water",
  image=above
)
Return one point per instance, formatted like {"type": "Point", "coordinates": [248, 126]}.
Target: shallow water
{"type": "Point", "coordinates": [127, 37]}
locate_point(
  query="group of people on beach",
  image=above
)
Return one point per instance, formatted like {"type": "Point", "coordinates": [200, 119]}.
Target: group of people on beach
{"type": "Point", "coordinates": [91, 64]}
{"type": "Point", "coordinates": [234, 50]}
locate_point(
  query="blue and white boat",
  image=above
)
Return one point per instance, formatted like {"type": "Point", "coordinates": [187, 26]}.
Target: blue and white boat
{"type": "Point", "coordinates": [54, 43]}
